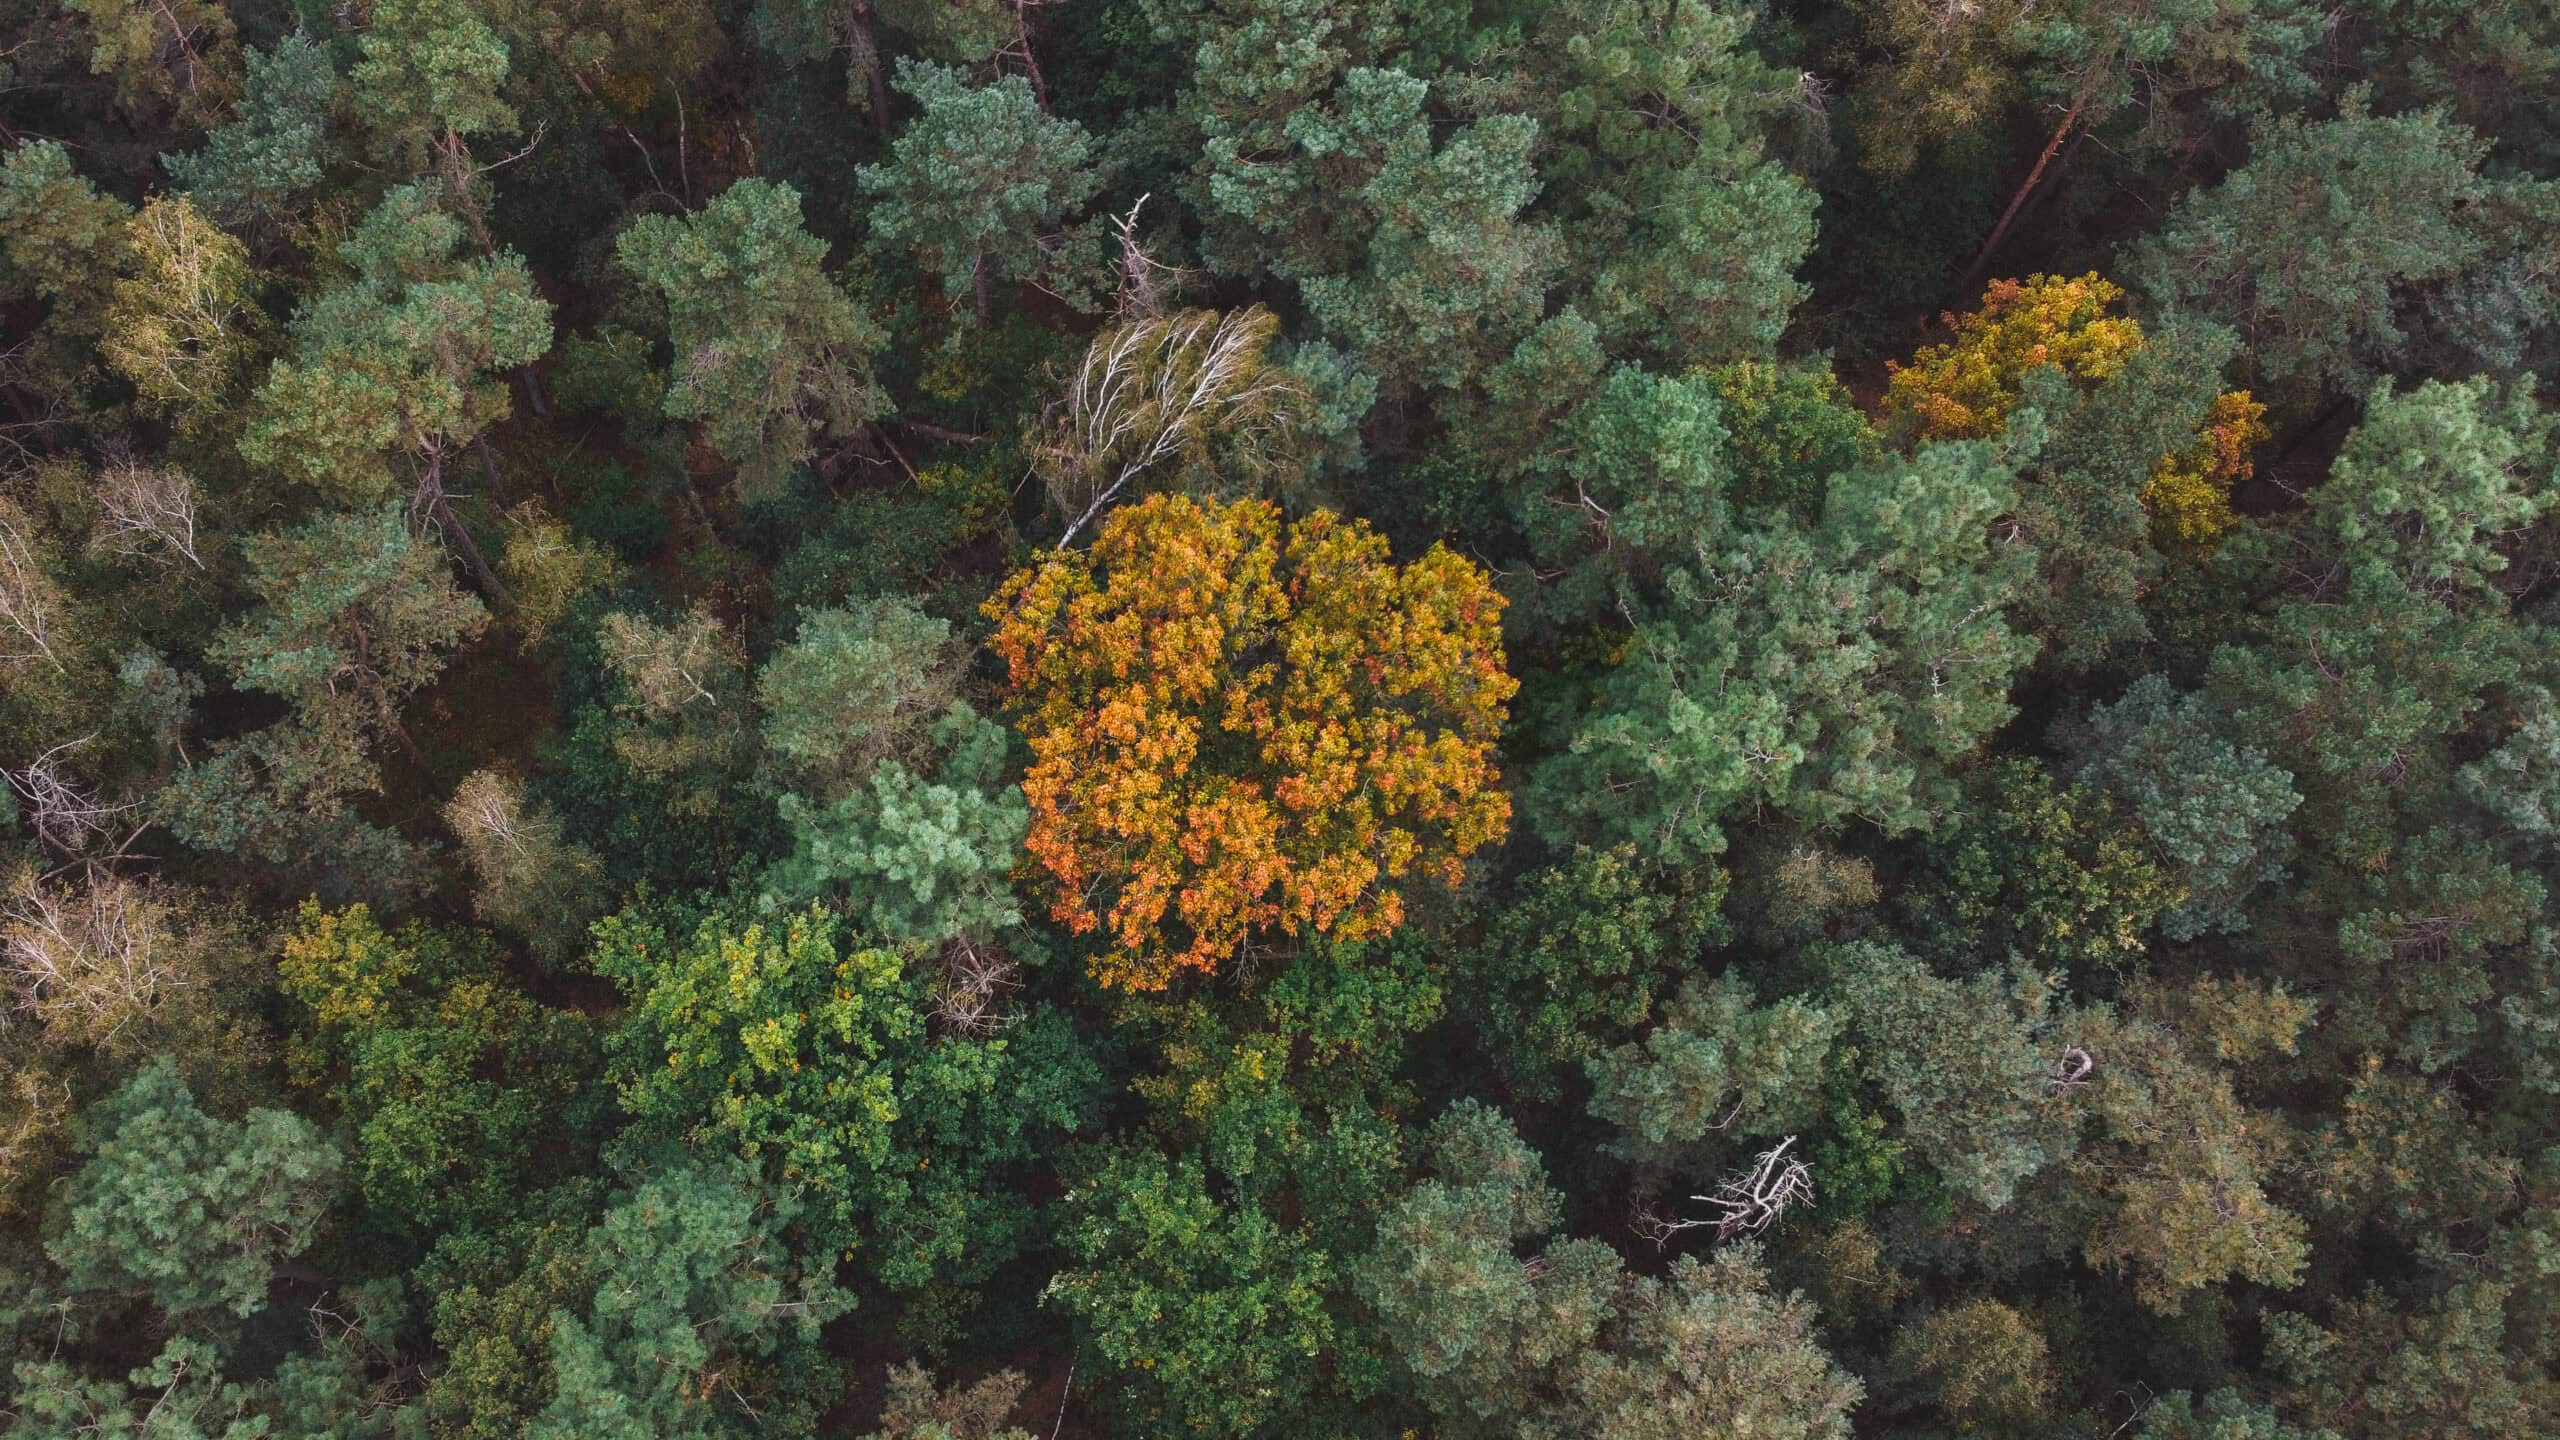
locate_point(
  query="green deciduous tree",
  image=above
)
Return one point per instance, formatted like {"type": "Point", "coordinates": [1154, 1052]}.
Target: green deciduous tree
{"type": "Point", "coordinates": [1789, 429]}
{"type": "Point", "coordinates": [494, 1295]}
{"type": "Point", "coordinates": [1579, 957]}
{"type": "Point", "coordinates": [818, 1061]}
{"type": "Point", "coordinates": [1212, 1312]}
{"type": "Point", "coordinates": [455, 1081]}
{"type": "Point", "coordinates": [2049, 873]}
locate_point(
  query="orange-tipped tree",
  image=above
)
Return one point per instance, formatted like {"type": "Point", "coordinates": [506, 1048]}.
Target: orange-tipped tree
{"type": "Point", "coordinates": [1239, 726]}
{"type": "Point", "coordinates": [1964, 390]}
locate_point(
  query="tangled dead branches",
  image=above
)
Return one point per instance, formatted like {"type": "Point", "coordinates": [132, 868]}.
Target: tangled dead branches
{"type": "Point", "coordinates": [1745, 1203]}
{"type": "Point", "coordinates": [975, 979]}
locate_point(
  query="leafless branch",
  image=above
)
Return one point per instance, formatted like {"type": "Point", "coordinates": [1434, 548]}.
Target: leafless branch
{"type": "Point", "coordinates": [66, 816]}
{"type": "Point", "coordinates": [26, 601]}
{"type": "Point", "coordinates": [142, 507]}
{"type": "Point", "coordinates": [1145, 283]}
{"type": "Point", "coordinates": [1747, 1202]}
{"type": "Point", "coordinates": [976, 978]}
{"type": "Point", "coordinates": [1152, 390]}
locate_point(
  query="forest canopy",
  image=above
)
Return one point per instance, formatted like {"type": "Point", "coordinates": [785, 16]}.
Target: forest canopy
{"type": "Point", "coordinates": [1279, 718]}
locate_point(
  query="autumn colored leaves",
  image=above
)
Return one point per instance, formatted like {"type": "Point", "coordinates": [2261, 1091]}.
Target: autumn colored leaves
{"type": "Point", "coordinates": [1964, 391]}
{"type": "Point", "coordinates": [1240, 728]}
{"type": "Point", "coordinates": [1243, 729]}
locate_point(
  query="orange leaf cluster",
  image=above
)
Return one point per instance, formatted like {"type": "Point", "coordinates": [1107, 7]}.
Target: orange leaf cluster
{"type": "Point", "coordinates": [2189, 496]}
{"type": "Point", "coordinates": [1236, 731]}
{"type": "Point", "coordinates": [1964, 390]}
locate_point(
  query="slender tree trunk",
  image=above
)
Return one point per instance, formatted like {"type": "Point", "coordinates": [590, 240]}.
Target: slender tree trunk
{"type": "Point", "coordinates": [489, 467]}
{"type": "Point", "coordinates": [979, 280]}
{"type": "Point", "coordinates": [460, 535]}
{"type": "Point", "coordinates": [1030, 62]}
{"type": "Point", "coordinates": [457, 183]}
{"type": "Point", "coordinates": [399, 732]}
{"type": "Point", "coordinates": [533, 390]}
{"type": "Point", "coordinates": [456, 534]}
{"type": "Point", "coordinates": [866, 41]}
{"type": "Point", "coordinates": [1982, 263]}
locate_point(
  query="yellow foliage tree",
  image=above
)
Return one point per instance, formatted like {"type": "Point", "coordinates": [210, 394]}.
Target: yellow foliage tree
{"type": "Point", "coordinates": [1237, 730]}
{"type": "Point", "coordinates": [1965, 389]}
{"type": "Point", "coordinates": [2189, 497]}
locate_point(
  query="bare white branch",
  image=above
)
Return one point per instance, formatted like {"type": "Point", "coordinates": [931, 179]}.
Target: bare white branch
{"type": "Point", "coordinates": [1153, 389]}
{"type": "Point", "coordinates": [146, 507]}
{"type": "Point", "coordinates": [87, 962]}
{"type": "Point", "coordinates": [65, 815]}
{"type": "Point", "coordinates": [1747, 1202]}
{"type": "Point", "coordinates": [26, 596]}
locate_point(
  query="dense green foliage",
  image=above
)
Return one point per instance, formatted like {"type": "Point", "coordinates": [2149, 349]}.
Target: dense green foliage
{"type": "Point", "coordinates": [971, 719]}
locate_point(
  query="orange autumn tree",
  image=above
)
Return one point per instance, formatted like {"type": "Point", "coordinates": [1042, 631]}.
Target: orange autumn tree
{"type": "Point", "coordinates": [1238, 727]}
{"type": "Point", "coordinates": [1964, 391]}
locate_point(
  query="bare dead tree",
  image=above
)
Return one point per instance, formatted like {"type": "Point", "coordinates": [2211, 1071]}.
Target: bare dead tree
{"type": "Point", "coordinates": [975, 979]}
{"type": "Point", "coordinates": [1150, 391]}
{"type": "Point", "coordinates": [89, 960]}
{"type": "Point", "coordinates": [1813, 94]}
{"type": "Point", "coordinates": [26, 596]}
{"type": "Point", "coordinates": [1747, 1202]}
{"type": "Point", "coordinates": [142, 508]}
{"type": "Point", "coordinates": [1146, 284]}
{"type": "Point", "coordinates": [1751, 1200]}
{"type": "Point", "coordinates": [66, 816]}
